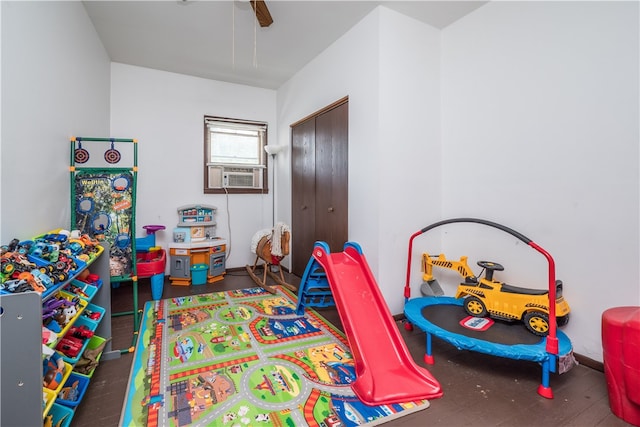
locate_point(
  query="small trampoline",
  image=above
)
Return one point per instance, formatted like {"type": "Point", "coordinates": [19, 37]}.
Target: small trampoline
{"type": "Point", "coordinates": [446, 318]}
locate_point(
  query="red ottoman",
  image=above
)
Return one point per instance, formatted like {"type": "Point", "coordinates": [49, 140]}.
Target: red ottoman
{"type": "Point", "coordinates": [621, 354]}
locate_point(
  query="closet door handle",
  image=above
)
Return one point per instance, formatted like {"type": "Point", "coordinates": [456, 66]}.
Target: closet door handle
{"type": "Point", "coordinates": [330, 209]}
{"type": "Point", "coordinates": [303, 207]}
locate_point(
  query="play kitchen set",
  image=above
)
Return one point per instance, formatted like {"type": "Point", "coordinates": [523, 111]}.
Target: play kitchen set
{"type": "Point", "coordinates": [196, 255]}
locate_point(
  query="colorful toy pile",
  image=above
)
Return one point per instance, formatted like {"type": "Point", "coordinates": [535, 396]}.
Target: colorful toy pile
{"type": "Point", "coordinates": [45, 261]}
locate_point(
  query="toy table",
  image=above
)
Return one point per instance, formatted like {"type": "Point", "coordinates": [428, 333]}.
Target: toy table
{"type": "Point", "coordinates": [183, 256]}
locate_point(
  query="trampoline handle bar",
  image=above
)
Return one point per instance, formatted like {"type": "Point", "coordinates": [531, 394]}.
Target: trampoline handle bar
{"type": "Point", "coordinates": [407, 287]}
{"type": "Point", "coordinates": [478, 221]}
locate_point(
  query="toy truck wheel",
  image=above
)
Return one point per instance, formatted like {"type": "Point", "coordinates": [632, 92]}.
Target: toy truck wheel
{"type": "Point", "coordinates": [537, 322]}
{"type": "Point", "coordinates": [58, 276]}
{"type": "Point", "coordinates": [474, 307]}
{"type": "Point", "coordinates": [47, 269]}
{"type": "Point", "coordinates": [8, 268]}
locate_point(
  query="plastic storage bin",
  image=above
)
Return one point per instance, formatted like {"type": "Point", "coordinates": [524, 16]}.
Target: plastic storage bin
{"type": "Point", "coordinates": [80, 307]}
{"type": "Point", "coordinates": [72, 360]}
{"type": "Point", "coordinates": [151, 263]}
{"type": "Point", "coordinates": [63, 379]}
{"type": "Point", "coordinates": [93, 314]}
{"type": "Point", "coordinates": [86, 322]}
{"type": "Point", "coordinates": [73, 390]}
{"type": "Point", "coordinates": [81, 289]}
{"type": "Point", "coordinates": [48, 397]}
{"type": "Point", "coordinates": [88, 371]}
{"type": "Point", "coordinates": [61, 414]}
{"type": "Point", "coordinates": [91, 279]}
{"type": "Point", "coordinates": [199, 274]}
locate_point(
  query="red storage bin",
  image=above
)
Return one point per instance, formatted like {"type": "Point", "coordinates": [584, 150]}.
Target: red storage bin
{"type": "Point", "coordinates": [151, 263]}
{"type": "Point", "coordinates": [621, 347]}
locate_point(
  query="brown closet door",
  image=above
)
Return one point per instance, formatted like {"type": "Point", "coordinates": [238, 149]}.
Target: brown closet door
{"type": "Point", "coordinates": [319, 189]}
{"type": "Point", "coordinates": [303, 194]}
{"type": "Point", "coordinates": [332, 177]}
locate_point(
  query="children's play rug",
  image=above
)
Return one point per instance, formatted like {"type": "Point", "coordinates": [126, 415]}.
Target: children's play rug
{"type": "Point", "coordinates": [244, 358]}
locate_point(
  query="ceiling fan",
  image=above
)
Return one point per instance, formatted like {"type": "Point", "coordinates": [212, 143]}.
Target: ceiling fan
{"type": "Point", "coordinates": [262, 12]}
{"type": "Point", "coordinates": [259, 8]}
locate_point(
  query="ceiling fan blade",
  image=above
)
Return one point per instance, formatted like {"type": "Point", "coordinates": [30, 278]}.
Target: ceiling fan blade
{"type": "Point", "coordinates": [262, 13]}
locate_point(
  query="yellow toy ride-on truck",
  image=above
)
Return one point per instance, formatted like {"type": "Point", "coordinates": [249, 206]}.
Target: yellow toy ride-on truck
{"type": "Point", "coordinates": [486, 296]}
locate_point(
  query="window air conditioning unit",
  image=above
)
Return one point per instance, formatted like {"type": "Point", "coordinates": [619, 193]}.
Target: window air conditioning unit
{"type": "Point", "coordinates": [235, 177]}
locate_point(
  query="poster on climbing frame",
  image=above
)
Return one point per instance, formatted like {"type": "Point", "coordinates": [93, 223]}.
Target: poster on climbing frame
{"type": "Point", "coordinates": [104, 208]}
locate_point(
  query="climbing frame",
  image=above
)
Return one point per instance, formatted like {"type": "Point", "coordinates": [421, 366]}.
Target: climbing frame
{"type": "Point", "coordinates": [103, 202]}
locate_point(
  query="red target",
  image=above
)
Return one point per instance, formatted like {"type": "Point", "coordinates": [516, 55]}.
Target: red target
{"type": "Point", "coordinates": [112, 155]}
{"type": "Point", "coordinates": [81, 155]}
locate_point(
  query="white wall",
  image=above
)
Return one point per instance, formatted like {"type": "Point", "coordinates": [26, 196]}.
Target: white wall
{"type": "Point", "coordinates": [165, 112]}
{"type": "Point", "coordinates": [55, 84]}
{"type": "Point", "coordinates": [334, 74]}
{"type": "Point", "coordinates": [540, 133]}
{"type": "Point", "coordinates": [409, 194]}
{"type": "Point", "coordinates": [394, 122]}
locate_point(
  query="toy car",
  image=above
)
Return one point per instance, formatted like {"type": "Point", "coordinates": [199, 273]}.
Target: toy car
{"type": "Point", "coordinates": [81, 332]}
{"type": "Point", "coordinates": [46, 281]}
{"type": "Point", "coordinates": [16, 286]}
{"type": "Point", "coordinates": [55, 237]}
{"type": "Point", "coordinates": [70, 346]}
{"type": "Point", "coordinates": [486, 296]}
{"type": "Point", "coordinates": [93, 315]}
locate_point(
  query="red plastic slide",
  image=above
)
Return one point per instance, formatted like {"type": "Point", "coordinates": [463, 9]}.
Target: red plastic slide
{"type": "Point", "coordinates": [386, 372]}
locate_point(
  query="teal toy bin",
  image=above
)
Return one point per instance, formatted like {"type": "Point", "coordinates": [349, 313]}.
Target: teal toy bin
{"type": "Point", "coordinates": [157, 285]}
{"type": "Point", "coordinates": [199, 274]}
{"type": "Point", "coordinates": [61, 415]}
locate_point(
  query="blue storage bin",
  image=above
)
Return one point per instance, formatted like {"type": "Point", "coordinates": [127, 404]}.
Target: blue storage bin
{"type": "Point", "coordinates": [95, 319]}
{"type": "Point", "coordinates": [80, 265]}
{"type": "Point", "coordinates": [61, 414]}
{"type": "Point", "coordinates": [97, 284]}
{"type": "Point", "coordinates": [86, 291]}
{"type": "Point", "coordinates": [85, 321]}
{"type": "Point", "coordinates": [199, 274]}
{"type": "Point", "coordinates": [81, 322]}
{"type": "Point", "coordinates": [74, 388]}
{"type": "Point", "coordinates": [74, 360]}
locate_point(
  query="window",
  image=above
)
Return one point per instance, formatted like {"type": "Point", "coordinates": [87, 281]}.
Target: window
{"type": "Point", "coordinates": [235, 160]}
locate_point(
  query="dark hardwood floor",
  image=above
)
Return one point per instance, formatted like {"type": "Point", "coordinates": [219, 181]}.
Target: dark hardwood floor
{"type": "Point", "coordinates": [479, 390]}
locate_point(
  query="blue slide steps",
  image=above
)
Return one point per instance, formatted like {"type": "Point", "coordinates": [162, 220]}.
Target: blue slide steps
{"type": "Point", "coordinates": [314, 288]}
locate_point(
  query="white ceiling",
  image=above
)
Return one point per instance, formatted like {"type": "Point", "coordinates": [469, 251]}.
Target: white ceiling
{"type": "Point", "coordinates": [220, 39]}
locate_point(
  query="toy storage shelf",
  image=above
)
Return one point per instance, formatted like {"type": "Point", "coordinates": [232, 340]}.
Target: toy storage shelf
{"type": "Point", "coordinates": [21, 376]}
